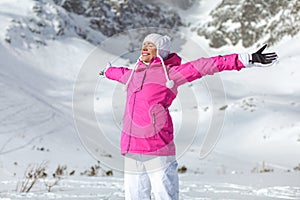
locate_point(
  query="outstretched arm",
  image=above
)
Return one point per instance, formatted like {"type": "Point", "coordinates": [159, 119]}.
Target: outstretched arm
{"type": "Point", "coordinates": [196, 69]}
{"type": "Point", "coordinates": [119, 74]}
{"type": "Point", "coordinates": [209, 66]}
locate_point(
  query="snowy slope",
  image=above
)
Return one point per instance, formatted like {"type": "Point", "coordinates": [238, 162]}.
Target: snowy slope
{"type": "Point", "coordinates": [36, 115]}
{"type": "Point", "coordinates": [261, 121]}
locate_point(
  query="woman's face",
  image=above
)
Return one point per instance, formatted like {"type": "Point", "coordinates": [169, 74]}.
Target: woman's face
{"type": "Point", "coordinates": [148, 51]}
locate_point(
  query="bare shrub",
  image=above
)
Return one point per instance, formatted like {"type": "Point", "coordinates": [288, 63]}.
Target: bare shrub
{"type": "Point", "coordinates": [265, 169]}
{"type": "Point", "coordinates": [37, 172]}
{"type": "Point", "coordinates": [51, 183]}
{"type": "Point", "coordinates": [33, 173]}
{"type": "Point", "coordinates": [95, 169]}
{"type": "Point", "coordinates": [297, 168]}
{"type": "Point", "coordinates": [56, 177]}
{"type": "Point", "coordinates": [182, 169]}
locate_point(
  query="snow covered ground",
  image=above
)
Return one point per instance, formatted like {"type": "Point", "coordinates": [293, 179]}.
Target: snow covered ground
{"type": "Point", "coordinates": [192, 187]}
{"type": "Point", "coordinates": [260, 129]}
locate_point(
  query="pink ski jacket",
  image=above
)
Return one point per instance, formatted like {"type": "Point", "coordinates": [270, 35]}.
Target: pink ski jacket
{"type": "Point", "coordinates": [147, 124]}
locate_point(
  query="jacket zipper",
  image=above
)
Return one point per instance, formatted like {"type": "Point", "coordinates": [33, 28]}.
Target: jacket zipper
{"type": "Point", "coordinates": [144, 77]}
{"type": "Point", "coordinates": [133, 105]}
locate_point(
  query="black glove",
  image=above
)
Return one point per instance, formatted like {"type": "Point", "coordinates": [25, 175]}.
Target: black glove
{"type": "Point", "coordinates": [101, 73]}
{"type": "Point", "coordinates": [266, 58]}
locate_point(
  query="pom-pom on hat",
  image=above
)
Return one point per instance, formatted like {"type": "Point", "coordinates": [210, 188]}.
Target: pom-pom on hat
{"type": "Point", "coordinates": [162, 43]}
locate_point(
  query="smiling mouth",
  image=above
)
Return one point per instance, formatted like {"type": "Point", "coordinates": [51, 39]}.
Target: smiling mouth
{"type": "Point", "coordinates": [145, 54]}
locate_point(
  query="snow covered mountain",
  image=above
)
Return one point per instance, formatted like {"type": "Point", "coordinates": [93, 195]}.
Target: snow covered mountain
{"type": "Point", "coordinates": [92, 20]}
{"type": "Point", "coordinates": [251, 22]}
{"type": "Point", "coordinates": [45, 44]}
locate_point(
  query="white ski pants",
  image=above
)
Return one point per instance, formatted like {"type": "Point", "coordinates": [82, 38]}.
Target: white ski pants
{"type": "Point", "coordinates": [145, 173]}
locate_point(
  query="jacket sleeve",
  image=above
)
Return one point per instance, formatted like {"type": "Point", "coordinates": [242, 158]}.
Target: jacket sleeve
{"type": "Point", "coordinates": [119, 74]}
{"type": "Point", "coordinates": [205, 66]}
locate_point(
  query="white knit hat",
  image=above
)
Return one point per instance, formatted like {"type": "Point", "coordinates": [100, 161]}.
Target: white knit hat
{"type": "Point", "coordinates": [163, 45]}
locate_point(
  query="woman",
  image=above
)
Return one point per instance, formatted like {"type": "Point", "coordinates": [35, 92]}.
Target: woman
{"type": "Point", "coordinates": [147, 135]}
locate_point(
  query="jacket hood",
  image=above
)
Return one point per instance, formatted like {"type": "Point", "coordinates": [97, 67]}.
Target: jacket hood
{"type": "Point", "coordinates": [172, 60]}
